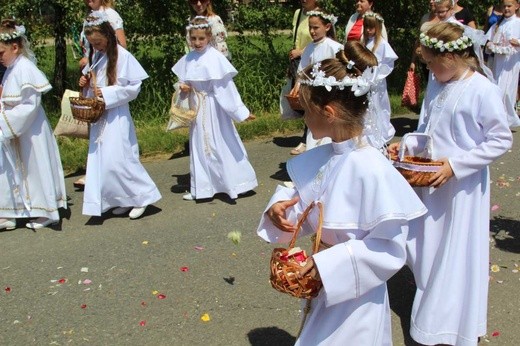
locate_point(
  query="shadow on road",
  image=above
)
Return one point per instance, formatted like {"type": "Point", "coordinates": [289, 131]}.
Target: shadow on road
{"type": "Point", "coordinates": [287, 142]}
{"type": "Point", "coordinates": [506, 233]}
{"type": "Point", "coordinates": [401, 290]}
{"type": "Point", "coordinates": [404, 125]}
{"type": "Point", "coordinates": [270, 336]}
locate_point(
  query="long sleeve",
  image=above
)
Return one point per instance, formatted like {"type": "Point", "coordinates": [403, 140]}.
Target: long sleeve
{"type": "Point", "coordinates": [498, 139]}
{"type": "Point", "coordinates": [269, 232]}
{"type": "Point", "coordinates": [18, 119]}
{"type": "Point", "coordinates": [229, 99]}
{"type": "Point", "coordinates": [118, 95]}
{"type": "Point", "coordinates": [349, 270]}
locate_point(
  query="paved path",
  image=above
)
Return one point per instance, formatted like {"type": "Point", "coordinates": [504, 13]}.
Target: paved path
{"type": "Point", "coordinates": [99, 281]}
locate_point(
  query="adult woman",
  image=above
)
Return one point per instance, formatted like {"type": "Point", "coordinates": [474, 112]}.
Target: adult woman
{"type": "Point", "coordinates": [204, 8]}
{"type": "Point", "coordinates": [31, 175]}
{"type": "Point", "coordinates": [354, 28]}
{"type": "Point", "coordinates": [464, 15]}
{"type": "Point", "coordinates": [427, 21]}
{"type": "Point", "coordinates": [301, 38]}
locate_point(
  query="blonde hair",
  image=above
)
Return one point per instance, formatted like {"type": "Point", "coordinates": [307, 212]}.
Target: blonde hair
{"type": "Point", "coordinates": [448, 3]}
{"type": "Point", "coordinates": [369, 22]}
{"type": "Point", "coordinates": [448, 32]}
{"type": "Point", "coordinates": [350, 108]}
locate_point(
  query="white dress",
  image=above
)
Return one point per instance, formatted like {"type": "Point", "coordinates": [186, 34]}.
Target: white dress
{"type": "Point", "coordinates": [31, 175]}
{"type": "Point", "coordinates": [218, 159]}
{"type": "Point", "coordinates": [449, 246]}
{"type": "Point", "coordinates": [367, 205]}
{"type": "Point", "coordinates": [313, 53]}
{"type": "Point", "coordinates": [115, 176]}
{"type": "Point", "coordinates": [386, 57]}
{"type": "Point", "coordinates": [506, 63]}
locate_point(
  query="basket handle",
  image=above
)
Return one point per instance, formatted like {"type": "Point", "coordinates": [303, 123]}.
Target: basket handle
{"type": "Point", "coordinates": [302, 219]}
{"type": "Point", "coordinates": [402, 149]}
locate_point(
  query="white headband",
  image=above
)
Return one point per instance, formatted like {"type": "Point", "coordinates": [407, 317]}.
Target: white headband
{"type": "Point", "coordinates": [328, 17]}
{"type": "Point", "coordinates": [19, 30]}
{"type": "Point", "coordinates": [198, 26]}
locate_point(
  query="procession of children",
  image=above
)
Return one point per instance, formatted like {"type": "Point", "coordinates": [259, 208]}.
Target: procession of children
{"type": "Point", "coordinates": [372, 220]}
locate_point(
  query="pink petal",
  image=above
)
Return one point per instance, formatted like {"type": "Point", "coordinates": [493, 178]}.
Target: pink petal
{"type": "Point", "coordinates": [184, 269]}
{"type": "Point", "coordinates": [142, 323]}
{"type": "Point", "coordinates": [87, 282]}
{"type": "Point", "coordinates": [7, 289]}
{"type": "Point", "coordinates": [495, 207]}
{"type": "Point", "coordinates": [143, 304]}
{"type": "Point", "coordinates": [83, 306]}
{"type": "Point", "coordinates": [199, 248]}
{"type": "Point", "coordinates": [62, 280]}
{"type": "Point", "coordinates": [161, 296]}
{"type": "Point", "coordinates": [495, 333]}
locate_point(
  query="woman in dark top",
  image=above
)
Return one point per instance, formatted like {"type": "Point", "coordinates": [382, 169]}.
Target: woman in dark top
{"type": "Point", "coordinates": [464, 15]}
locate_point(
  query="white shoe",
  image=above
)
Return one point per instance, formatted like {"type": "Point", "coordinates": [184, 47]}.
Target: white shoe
{"type": "Point", "coordinates": [121, 210]}
{"type": "Point", "coordinates": [288, 184]}
{"type": "Point", "coordinates": [188, 197]}
{"type": "Point", "coordinates": [299, 149]}
{"type": "Point", "coordinates": [137, 212]}
{"type": "Point", "coordinates": [40, 222]}
{"type": "Point", "coordinates": [7, 223]}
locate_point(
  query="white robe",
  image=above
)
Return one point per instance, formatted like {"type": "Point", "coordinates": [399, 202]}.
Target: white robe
{"type": "Point", "coordinates": [506, 63]}
{"type": "Point", "coordinates": [386, 57]}
{"type": "Point", "coordinates": [115, 176]}
{"type": "Point", "coordinates": [218, 159]}
{"type": "Point", "coordinates": [449, 247]}
{"type": "Point", "coordinates": [313, 53]}
{"type": "Point", "coordinates": [367, 205]}
{"type": "Point", "coordinates": [34, 186]}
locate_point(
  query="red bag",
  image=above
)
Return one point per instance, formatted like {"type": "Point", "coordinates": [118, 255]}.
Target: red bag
{"type": "Point", "coordinates": [411, 90]}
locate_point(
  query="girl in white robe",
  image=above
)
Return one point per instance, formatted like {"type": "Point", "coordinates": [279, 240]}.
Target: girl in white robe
{"type": "Point", "coordinates": [218, 159]}
{"type": "Point", "coordinates": [504, 41]}
{"type": "Point", "coordinates": [115, 176]}
{"type": "Point", "coordinates": [31, 175]}
{"type": "Point", "coordinates": [323, 46]}
{"type": "Point", "coordinates": [367, 206]}
{"type": "Point", "coordinates": [448, 248]}
{"type": "Point", "coordinates": [373, 28]}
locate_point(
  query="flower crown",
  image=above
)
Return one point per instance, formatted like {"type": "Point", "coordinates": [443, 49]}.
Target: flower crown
{"type": "Point", "coordinates": [459, 44]}
{"type": "Point", "coordinates": [375, 15]}
{"type": "Point", "coordinates": [18, 32]}
{"type": "Point", "coordinates": [96, 18]}
{"type": "Point", "coordinates": [198, 26]}
{"type": "Point", "coordinates": [328, 17]}
{"type": "Point", "coordinates": [360, 84]}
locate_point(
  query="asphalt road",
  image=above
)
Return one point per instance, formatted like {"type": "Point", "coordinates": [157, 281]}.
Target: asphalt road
{"type": "Point", "coordinates": [174, 278]}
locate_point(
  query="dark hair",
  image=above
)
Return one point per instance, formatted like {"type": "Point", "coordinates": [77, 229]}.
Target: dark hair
{"type": "Point", "coordinates": [107, 31]}
{"type": "Point", "coordinates": [350, 108]}
{"type": "Point", "coordinates": [448, 32]}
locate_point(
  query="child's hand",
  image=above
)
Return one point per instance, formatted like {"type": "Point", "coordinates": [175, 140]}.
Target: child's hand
{"type": "Point", "coordinates": [185, 88]}
{"type": "Point", "coordinates": [443, 175]}
{"type": "Point", "coordinates": [277, 215]}
{"type": "Point", "coordinates": [83, 80]}
{"type": "Point", "coordinates": [251, 117]}
{"type": "Point", "coordinates": [295, 53]}
{"type": "Point", "coordinates": [310, 268]}
{"type": "Point", "coordinates": [294, 91]}
{"type": "Point", "coordinates": [393, 149]}
{"type": "Point", "coordinates": [98, 92]}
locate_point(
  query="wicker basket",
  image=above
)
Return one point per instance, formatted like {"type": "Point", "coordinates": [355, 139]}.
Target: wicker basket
{"type": "Point", "coordinates": [294, 102]}
{"type": "Point", "coordinates": [87, 109]}
{"type": "Point", "coordinates": [416, 170]}
{"type": "Point", "coordinates": [284, 268]}
{"type": "Point", "coordinates": [181, 114]}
